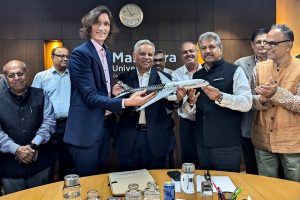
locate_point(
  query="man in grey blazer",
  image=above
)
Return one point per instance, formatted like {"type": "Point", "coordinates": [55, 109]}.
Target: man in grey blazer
{"type": "Point", "coordinates": [248, 63]}
{"type": "Point", "coordinates": [3, 83]}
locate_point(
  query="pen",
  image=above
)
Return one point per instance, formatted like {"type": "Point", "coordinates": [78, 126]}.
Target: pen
{"type": "Point", "coordinates": [236, 193]}
{"type": "Point", "coordinates": [236, 189]}
{"type": "Point", "coordinates": [219, 191]}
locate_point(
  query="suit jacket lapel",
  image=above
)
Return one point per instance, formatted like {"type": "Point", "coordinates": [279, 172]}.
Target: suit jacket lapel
{"type": "Point", "coordinates": [134, 79]}
{"type": "Point", "coordinates": [153, 79]}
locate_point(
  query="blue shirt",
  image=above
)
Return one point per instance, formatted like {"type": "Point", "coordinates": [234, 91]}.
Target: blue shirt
{"type": "Point", "coordinates": [58, 88]}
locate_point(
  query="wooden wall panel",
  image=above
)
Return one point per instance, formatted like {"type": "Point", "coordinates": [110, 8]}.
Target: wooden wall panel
{"type": "Point", "coordinates": [52, 19]}
{"type": "Point", "coordinates": [236, 19]}
{"type": "Point", "coordinates": [28, 51]}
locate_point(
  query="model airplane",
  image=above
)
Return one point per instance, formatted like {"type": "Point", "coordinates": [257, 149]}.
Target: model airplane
{"type": "Point", "coordinates": [164, 90]}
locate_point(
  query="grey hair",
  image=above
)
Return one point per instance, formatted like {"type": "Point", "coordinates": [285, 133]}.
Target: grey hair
{"type": "Point", "coordinates": [210, 35]}
{"type": "Point", "coordinates": [139, 43]}
{"type": "Point", "coordinates": [287, 32]}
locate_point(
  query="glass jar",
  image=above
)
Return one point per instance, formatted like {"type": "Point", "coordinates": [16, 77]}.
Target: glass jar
{"type": "Point", "coordinates": [152, 191]}
{"type": "Point", "coordinates": [92, 195]}
{"type": "Point", "coordinates": [72, 187]}
{"type": "Point", "coordinates": [133, 193]}
{"type": "Point", "coordinates": [187, 179]}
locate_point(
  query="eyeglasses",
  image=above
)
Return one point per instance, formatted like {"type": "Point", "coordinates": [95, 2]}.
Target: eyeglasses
{"type": "Point", "coordinates": [62, 56]}
{"type": "Point", "coordinates": [13, 75]}
{"type": "Point", "coordinates": [260, 42]}
{"type": "Point", "coordinates": [159, 60]}
{"type": "Point", "coordinates": [273, 43]}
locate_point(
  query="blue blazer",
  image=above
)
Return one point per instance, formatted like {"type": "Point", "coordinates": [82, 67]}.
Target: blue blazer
{"type": "Point", "coordinates": [89, 96]}
{"type": "Point", "coordinates": [159, 125]}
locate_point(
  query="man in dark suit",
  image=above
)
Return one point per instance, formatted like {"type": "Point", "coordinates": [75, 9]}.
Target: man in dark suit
{"type": "Point", "coordinates": [145, 138]}
{"type": "Point", "coordinates": [248, 63]}
{"type": "Point", "coordinates": [89, 120]}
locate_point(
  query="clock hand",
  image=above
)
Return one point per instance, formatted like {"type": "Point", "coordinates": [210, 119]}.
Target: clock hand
{"type": "Point", "coordinates": [129, 12]}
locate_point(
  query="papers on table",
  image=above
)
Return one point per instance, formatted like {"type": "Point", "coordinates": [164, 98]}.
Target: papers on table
{"type": "Point", "coordinates": [223, 182]}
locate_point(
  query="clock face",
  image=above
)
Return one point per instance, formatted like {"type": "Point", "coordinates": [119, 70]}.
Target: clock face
{"type": "Point", "coordinates": [131, 15]}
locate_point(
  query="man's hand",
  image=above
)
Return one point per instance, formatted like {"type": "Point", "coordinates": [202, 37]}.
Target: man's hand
{"type": "Point", "coordinates": [117, 89]}
{"type": "Point", "coordinates": [212, 92]}
{"type": "Point", "coordinates": [25, 154]}
{"type": "Point", "coordinates": [138, 98]}
{"type": "Point", "coordinates": [180, 93]}
{"type": "Point", "coordinates": [192, 96]}
{"type": "Point", "coordinates": [267, 90]}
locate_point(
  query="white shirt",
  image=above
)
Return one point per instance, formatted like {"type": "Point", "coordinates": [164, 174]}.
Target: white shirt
{"type": "Point", "coordinates": [240, 100]}
{"type": "Point", "coordinates": [143, 82]}
{"type": "Point", "coordinates": [182, 74]}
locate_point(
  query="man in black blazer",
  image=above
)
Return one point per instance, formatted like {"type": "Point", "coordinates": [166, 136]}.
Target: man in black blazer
{"type": "Point", "coordinates": [145, 138]}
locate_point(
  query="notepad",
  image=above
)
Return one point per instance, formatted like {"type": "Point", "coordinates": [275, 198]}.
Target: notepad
{"type": "Point", "coordinates": [119, 181]}
{"type": "Point", "coordinates": [224, 182]}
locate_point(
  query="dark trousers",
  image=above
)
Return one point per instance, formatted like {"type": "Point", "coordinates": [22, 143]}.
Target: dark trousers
{"type": "Point", "coordinates": [62, 154]}
{"type": "Point", "coordinates": [92, 160]}
{"type": "Point", "coordinates": [188, 142]}
{"type": "Point", "coordinates": [220, 158]}
{"type": "Point", "coordinates": [249, 156]}
{"type": "Point", "coordinates": [140, 156]}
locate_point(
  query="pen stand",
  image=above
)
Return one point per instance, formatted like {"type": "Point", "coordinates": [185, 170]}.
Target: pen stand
{"type": "Point", "coordinates": [206, 190]}
{"type": "Point", "coordinates": [227, 196]}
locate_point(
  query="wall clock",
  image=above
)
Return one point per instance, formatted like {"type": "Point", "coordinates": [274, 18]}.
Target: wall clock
{"type": "Point", "coordinates": [131, 15]}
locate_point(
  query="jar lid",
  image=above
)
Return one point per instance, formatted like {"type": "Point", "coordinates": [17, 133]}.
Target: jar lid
{"type": "Point", "coordinates": [71, 180]}
{"type": "Point", "coordinates": [188, 167]}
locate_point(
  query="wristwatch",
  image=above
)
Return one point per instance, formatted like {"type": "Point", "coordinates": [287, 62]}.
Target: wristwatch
{"type": "Point", "coordinates": [220, 98]}
{"type": "Point", "coordinates": [33, 146]}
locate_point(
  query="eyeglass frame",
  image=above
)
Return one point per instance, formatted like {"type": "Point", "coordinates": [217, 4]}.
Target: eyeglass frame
{"type": "Point", "coordinates": [62, 56]}
{"type": "Point", "coordinates": [273, 43]}
{"type": "Point", "coordinates": [13, 75]}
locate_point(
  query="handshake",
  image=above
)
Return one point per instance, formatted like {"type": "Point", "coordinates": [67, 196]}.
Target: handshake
{"type": "Point", "coordinates": [27, 154]}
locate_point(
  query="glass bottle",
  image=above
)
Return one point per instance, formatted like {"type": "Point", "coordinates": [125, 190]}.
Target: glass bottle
{"type": "Point", "coordinates": [93, 195]}
{"type": "Point", "coordinates": [133, 193]}
{"type": "Point", "coordinates": [152, 191]}
{"type": "Point", "coordinates": [187, 180]}
{"type": "Point", "coordinates": [72, 188]}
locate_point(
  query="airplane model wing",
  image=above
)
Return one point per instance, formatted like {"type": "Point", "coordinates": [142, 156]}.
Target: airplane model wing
{"type": "Point", "coordinates": [161, 94]}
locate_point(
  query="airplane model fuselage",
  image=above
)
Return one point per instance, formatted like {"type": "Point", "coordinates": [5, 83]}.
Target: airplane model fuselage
{"type": "Point", "coordinates": [163, 90]}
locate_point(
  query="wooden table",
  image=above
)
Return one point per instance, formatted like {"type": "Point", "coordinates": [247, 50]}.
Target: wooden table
{"type": "Point", "coordinates": [257, 187]}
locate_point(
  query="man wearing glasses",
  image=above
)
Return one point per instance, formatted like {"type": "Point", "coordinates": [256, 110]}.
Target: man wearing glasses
{"type": "Point", "coordinates": [26, 124]}
{"type": "Point", "coordinates": [276, 89]}
{"type": "Point", "coordinates": [247, 63]}
{"type": "Point", "coordinates": [56, 83]}
{"type": "Point", "coordinates": [160, 62]}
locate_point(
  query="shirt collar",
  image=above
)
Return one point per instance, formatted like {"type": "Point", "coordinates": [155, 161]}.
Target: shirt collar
{"type": "Point", "coordinates": [146, 74]}
{"type": "Point", "coordinates": [53, 71]}
{"type": "Point", "coordinates": [98, 46]}
{"type": "Point", "coordinates": [186, 71]}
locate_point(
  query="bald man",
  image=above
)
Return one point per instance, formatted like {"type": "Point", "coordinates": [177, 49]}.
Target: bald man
{"type": "Point", "coordinates": [26, 123]}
